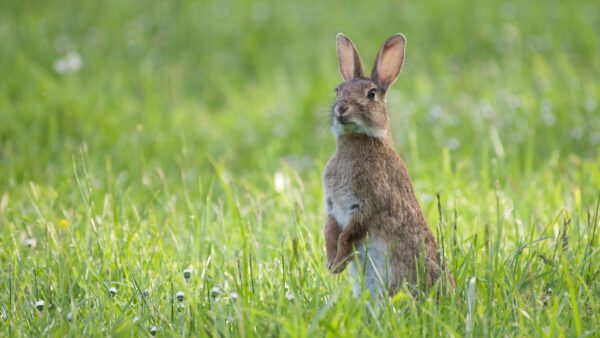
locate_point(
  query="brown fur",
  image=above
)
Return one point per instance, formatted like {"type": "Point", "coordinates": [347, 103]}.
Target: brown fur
{"type": "Point", "coordinates": [368, 169]}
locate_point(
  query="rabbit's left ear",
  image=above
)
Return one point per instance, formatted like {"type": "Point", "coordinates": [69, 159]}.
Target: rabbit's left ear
{"type": "Point", "coordinates": [389, 61]}
{"type": "Point", "coordinates": [350, 63]}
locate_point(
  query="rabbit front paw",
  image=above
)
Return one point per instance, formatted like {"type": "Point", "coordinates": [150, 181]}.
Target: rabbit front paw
{"type": "Point", "coordinates": [330, 265]}
{"type": "Point", "coordinates": [330, 260]}
{"type": "Point", "coordinates": [339, 264]}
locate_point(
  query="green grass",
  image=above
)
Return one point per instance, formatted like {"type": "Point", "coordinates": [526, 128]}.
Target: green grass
{"type": "Point", "coordinates": [160, 154]}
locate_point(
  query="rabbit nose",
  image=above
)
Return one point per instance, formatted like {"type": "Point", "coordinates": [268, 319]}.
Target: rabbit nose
{"type": "Point", "coordinates": [342, 109]}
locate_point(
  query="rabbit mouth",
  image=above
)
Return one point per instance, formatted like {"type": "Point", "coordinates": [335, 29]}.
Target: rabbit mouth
{"type": "Point", "coordinates": [343, 120]}
{"type": "Point", "coordinates": [346, 125]}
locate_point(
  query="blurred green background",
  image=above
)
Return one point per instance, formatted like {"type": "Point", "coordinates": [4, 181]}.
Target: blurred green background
{"type": "Point", "coordinates": [250, 82]}
{"type": "Point", "coordinates": [169, 134]}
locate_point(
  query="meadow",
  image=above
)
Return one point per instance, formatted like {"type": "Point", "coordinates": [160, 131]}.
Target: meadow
{"type": "Point", "coordinates": [160, 166]}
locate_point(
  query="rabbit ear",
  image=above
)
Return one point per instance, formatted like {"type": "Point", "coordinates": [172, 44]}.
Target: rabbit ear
{"type": "Point", "coordinates": [389, 61]}
{"type": "Point", "coordinates": [350, 64]}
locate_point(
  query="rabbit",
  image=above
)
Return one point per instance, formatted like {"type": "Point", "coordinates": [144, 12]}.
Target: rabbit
{"type": "Point", "coordinates": [369, 199]}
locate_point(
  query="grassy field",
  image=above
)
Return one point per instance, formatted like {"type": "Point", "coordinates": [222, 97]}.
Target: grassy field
{"type": "Point", "coordinates": [140, 139]}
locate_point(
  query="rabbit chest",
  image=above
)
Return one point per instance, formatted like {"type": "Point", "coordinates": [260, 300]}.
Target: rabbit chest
{"type": "Point", "coordinates": [372, 254]}
{"type": "Point", "coordinates": [340, 202]}
{"type": "Point", "coordinates": [341, 177]}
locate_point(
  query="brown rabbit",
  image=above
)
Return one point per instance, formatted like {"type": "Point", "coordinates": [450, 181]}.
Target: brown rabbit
{"type": "Point", "coordinates": [370, 203]}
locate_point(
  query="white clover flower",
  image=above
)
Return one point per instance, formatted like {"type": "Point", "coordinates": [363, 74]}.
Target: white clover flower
{"type": "Point", "coordinates": [187, 274]}
{"type": "Point", "coordinates": [68, 64]}
{"type": "Point", "coordinates": [146, 293]}
{"type": "Point", "coordinates": [153, 330]}
{"type": "Point", "coordinates": [112, 291]}
{"type": "Point", "coordinates": [39, 305]}
{"type": "Point", "coordinates": [233, 296]}
{"type": "Point", "coordinates": [70, 316]}
{"type": "Point", "coordinates": [214, 292]}
{"type": "Point", "coordinates": [136, 319]}
{"type": "Point", "coordinates": [30, 242]}
{"type": "Point", "coordinates": [289, 296]}
{"type": "Point", "coordinates": [180, 296]}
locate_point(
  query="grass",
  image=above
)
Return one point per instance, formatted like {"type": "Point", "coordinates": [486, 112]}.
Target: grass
{"type": "Point", "coordinates": [161, 153]}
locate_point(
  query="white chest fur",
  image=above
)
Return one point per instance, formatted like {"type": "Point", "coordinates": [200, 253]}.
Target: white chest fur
{"type": "Point", "coordinates": [341, 205]}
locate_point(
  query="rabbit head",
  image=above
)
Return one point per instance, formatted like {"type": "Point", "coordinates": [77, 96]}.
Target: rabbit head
{"type": "Point", "coordinates": [360, 105]}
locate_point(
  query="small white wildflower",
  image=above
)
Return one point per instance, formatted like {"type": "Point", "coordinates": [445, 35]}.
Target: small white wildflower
{"type": "Point", "coordinates": [233, 296]}
{"type": "Point", "coordinates": [289, 296]}
{"type": "Point", "coordinates": [180, 296]}
{"type": "Point", "coordinates": [30, 242]}
{"type": "Point", "coordinates": [68, 64]}
{"type": "Point", "coordinates": [214, 292]}
{"type": "Point", "coordinates": [452, 143]}
{"type": "Point", "coordinates": [70, 316]}
{"type": "Point", "coordinates": [136, 319]}
{"type": "Point", "coordinates": [112, 291]}
{"type": "Point", "coordinates": [146, 293]}
{"type": "Point", "coordinates": [280, 181]}
{"type": "Point", "coordinates": [153, 330]}
{"type": "Point", "coordinates": [187, 274]}
{"type": "Point", "coordinates": [435, 112]}
{"type": "Point", "coordinates": [39, 305]}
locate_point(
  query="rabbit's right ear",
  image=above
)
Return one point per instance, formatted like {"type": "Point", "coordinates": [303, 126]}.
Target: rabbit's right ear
{"type": "Point", "coordinates": [349, 60]}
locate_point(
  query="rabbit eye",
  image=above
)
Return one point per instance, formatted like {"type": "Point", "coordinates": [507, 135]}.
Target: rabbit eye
{"type": "Point", "coordinates": [371, 93]}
